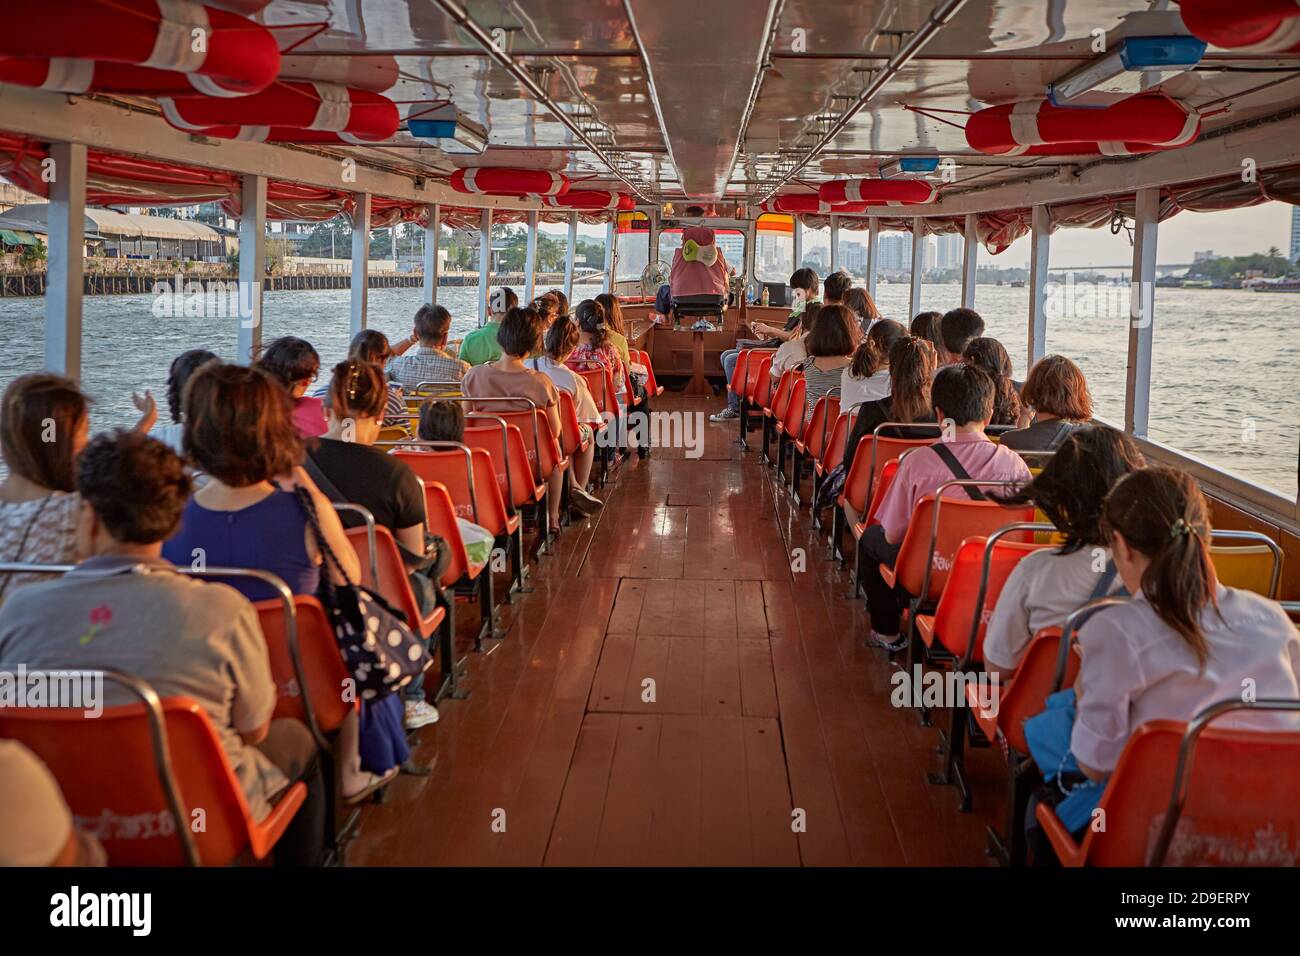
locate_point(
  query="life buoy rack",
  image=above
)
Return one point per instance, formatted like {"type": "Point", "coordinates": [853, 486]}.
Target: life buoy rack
{"type": "Point", "coordinates": [1245, 26]}
{"type": "Point", "coordinates": [219, 53]}
{"type": "Point", "coordinates": [505, 181]}
{"type": "Point", "coordinates": [1141, 124]}
{"type": "Point", "coordinates": [591, 199]}
{"type": "Point", "coordinates": [294, 104]}
{"type": "Point", "coordinates": [877, 192]}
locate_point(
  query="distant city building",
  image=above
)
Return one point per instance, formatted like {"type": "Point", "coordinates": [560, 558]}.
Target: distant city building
{"type": "Point", "coordinates": [949, 251]}
{"type": "Point", "coordinates": [1209, 253]}
{"type": "Point", "coordinates": [1295, 234]}
{"type": "Point", "coordinates": [853, 257]}
{"type": "Point", "coordinates": [733, 248]}
{"type": "Point", "coordinates": [895, 252]}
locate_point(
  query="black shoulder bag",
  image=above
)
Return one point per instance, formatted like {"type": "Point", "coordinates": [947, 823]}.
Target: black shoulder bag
{"type": "Point", "coordinates": [948, 458]}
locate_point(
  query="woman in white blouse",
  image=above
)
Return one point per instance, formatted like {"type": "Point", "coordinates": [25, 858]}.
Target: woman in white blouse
{"type": "Point", "coordinates": [867, 379]}
{"type": "Point", "coordinates": [1185, 641]}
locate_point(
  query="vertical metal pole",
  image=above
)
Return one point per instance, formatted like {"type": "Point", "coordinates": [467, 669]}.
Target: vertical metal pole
{"type": "Point", "coordinates": [432, 233]}
{"type": "Point", "coordinates": [609, 256]}
{"type": "Point", "coordinates": [484, 264]}
{"type": "Point", "coordinates": [918, 266]}
{"type": "Point", "coordinates": [798, 243]}
{"type": "Point", "coordinates": [1040, 246]}
{"type": "Point", "coordinates": [873, 254]}
{"type": "Point", "coordinates": [360, 261]}
{"type": "Point", "coordinates": [569, 258]}
{"type": "Point", "coordinates": [835, 242]}
{"type": "Point", "coordinates": [252, 266]}
{"type": "Point", "coordinates": [65, 270]}
{"type": "Point", "coordinates": [530, 259]}
{"type": "Point", "coordinates": [969, 261]}
{"type": "Point", "coordinates": [1137, 389]}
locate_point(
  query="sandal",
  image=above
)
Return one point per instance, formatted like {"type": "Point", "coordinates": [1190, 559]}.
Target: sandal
{"type": "Point", "coordinates": [374, 783]}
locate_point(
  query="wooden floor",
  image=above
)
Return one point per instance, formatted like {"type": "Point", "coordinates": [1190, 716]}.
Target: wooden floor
{"type": "Point", "coordinates": [686, 684]}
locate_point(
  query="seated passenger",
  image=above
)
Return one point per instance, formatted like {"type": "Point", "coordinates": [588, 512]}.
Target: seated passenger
{"type": "Point", "coordinates": [595, 349]}
{"type": "Point", "coordinates": [371, 346]}
{"type": "Point", "coordinates": [430, 362]}
{"type": "Point", "coordinates": [830, 347]}
{"type": "Point", "coordinates": [926, 325]}
{"type": "Point", "coordinates": [793, 352]}
{"type": "Point", "coordinates": [294, 364]}
{"type": "Point", "coordinates": [804, 283]}
{"type": "Point", "coordinates": [561, 340]}
{"type": "Point", "coordinates": [1048, 584]}
{"type": "Point", "coordinates": [1182, 643]}
{"type": "Point", "coordinates": [835, 286]}
{"type": "Point", "coordinates": [1056, 403]}
{"type": "Point", "coordinates": [863, 307]}
{"type": "Point", "coordinates": [615, 327]}
{"type": "Point", "coordinates": [239, 432]}
{"type": "Point", "coordinates": [911, 374]}
{"type": "Point", "coordinates": [445, 422]}
{"type": "Point", "coordinates": [508, 377]}
{"type": "Point", "coordinates": [124, 608]}
{"type": "Point", "coordinates": [561, 301]}
{"type": "Point", "coordinates": [699, 268]}
{"type": "Point", "coordinates": [956, 330]}
{"type": "Point", "coordinates": [988, 355]}
{"type": "Point", "coordinates": [37, 828]}
{"type": "Point", "coordinates": [348, 468]}
{"type": "Point", "coordinates": [481, 346]}
{"type": "Point", "coordinates": [44, 425]}
{"type": "Point", "coordinates": [182, 367]}
{"type": "Point", "coordinates": [963, 400]}
{"type": "Point", "coordinates": [867, 378]}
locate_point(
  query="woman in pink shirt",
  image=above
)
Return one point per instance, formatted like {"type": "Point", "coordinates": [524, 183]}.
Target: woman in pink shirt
{"type": "Point", "coordinates": [294, 364]}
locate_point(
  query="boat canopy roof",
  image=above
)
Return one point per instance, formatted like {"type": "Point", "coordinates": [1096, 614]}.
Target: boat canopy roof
{"type": "Point", "coordinates": [731, 102]}
{"type": "Point", "coordinates": [109, 223]}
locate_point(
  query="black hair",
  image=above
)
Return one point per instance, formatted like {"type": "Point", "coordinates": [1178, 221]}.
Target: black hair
{"type": "Point", "coordinates": [963, 393]}
{"type": "Point", "coordinates": [182, 367]}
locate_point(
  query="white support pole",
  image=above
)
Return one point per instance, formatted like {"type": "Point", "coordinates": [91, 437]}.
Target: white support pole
{"type": "Point", "coordinates": [609, 257]}
{"type": "Point", "coordinates": [530, 259]}
{"type": "Point", "coordinates": [652, 250]}
{"type": "Point", "coordinates": [969, 260]}
{"type": "Point", "coordinates": [873, 254]}
{"type": "Point", "coordinates": [570, 256]}
{"type": "Point", "coordinates": [484, 264]}
{"type": "Point", "coordinates": [360, 261]}
{"type": "Point", "coordinates": [918, 266]}
{"type": "Point", "coordinates": [1040, 245]}
{"type": "Point", "coordinates": [835, 242]}
{"type": "Point", "coordinates": [432, 234]}
{"type": "Point", "coordinates": [1137, 388]}
{"type": "Point", "coordinates": [65, 269]}
{"type": "Point", "coordinates": [252, 266]}
{"type": "Point", "coordinates": [798, 242]}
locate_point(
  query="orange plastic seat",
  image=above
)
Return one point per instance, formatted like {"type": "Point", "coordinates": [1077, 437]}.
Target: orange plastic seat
{"type": "Point", "coordinates": [757, 382]}
{"type": "Point", "coordinates": [322, 665]}
{"type": "Point", "coordinates": [642, 357]}
{"type": "Point", "coordinates": [504, 442]}
{"type": "Point", "coordinates": [600, 382]}
{"type": "Point", "coordinates": [140, 807]}
{"type": "Point", "coordinates": [1229, 800]}
{"type": "Point", "coordinates": [571, 440]}
{"type": "Point", "coordinates": [774, 409]}
{"type": "Point", "coordinates": [789, 425]}
{"type": "Point", "coordinates": [812, 439]}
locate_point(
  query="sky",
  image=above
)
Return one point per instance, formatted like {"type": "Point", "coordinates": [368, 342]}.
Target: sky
{"type": "Point", "coordinates": [1232, 232]}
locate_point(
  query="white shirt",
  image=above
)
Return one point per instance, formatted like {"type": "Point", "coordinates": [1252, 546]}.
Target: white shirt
{"type": "Point", "coordinates": [1136, 669]}
{"type": "Point", "coordinates": [565, 379]}
{"type": "Point", "coordinates": [169, 433]}
{"type": "Point", "coordinates": [790, 354]}
{"type": "Point", "coordinates": [1040, 592]}
{"type": "Point", "coordinates": [854, 391]}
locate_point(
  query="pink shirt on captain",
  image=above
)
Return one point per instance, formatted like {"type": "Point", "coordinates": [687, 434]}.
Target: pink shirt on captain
{"type": "Point", "coordinates": [922, 472]}
{"type": "Point", "coordinates": [1136, 668]}
{"type": "Point", "coordinates": [696, 278]}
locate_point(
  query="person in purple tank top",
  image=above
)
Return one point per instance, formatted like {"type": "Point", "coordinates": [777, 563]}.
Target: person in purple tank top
{"type": "Point", "coordinates": [239, 433]}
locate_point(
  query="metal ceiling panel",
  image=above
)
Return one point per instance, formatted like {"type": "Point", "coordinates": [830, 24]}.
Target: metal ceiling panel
{"type": "Point", "coordinates": [703, 59]}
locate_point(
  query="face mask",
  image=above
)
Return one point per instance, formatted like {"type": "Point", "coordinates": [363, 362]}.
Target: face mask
{"type": "Point", "coordinates": [799, 295]}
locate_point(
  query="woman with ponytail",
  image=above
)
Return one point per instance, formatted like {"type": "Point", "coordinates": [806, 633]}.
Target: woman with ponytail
{"type": "Point", "coordinates": [867, 379]}
{"type": "Point", "coordinates": [1182, 643]}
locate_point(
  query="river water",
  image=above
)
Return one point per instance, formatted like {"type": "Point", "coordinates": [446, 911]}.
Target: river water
{"type": "Point", "coordinates": [1224, 365]}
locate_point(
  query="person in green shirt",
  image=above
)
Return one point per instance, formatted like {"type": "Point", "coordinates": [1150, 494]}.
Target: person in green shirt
{"type": "Point", "coordinates": [481, 346]}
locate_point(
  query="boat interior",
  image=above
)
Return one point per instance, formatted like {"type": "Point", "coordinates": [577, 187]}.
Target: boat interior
{"type": "Point", "coordinates": [683, 677]}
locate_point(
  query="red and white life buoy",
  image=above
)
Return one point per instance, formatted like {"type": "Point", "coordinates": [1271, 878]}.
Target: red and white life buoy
{"type": "Point", "coordinates": [591, 199]}
{"type": "Point", "coordinates": [1246, 26]}
{"type": "Point", "coordinates": [375, 73]}
{"type": "Point", "coordinates": [220, 53]}
{"type": "Point", "coordinates": [796, 203]}
{"type": "Point", "coordinates": [283, 134]}
{"type": "Point", "coordinates": [505, 181]}
{"type": "Point", "coordinates": [1140, 124]}
{"type": "Point", "coordinates": [291, 103]}
{"type": "Point", "coordinates": [878, 192]}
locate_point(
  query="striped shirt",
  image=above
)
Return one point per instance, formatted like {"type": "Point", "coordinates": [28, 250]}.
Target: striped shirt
{"type": "Point", "coordinates": [425, 364]}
